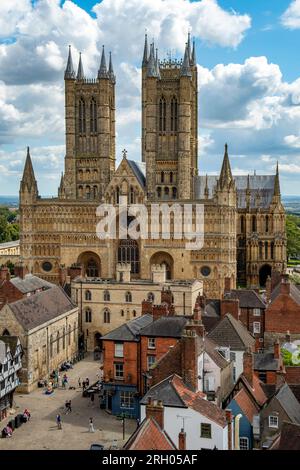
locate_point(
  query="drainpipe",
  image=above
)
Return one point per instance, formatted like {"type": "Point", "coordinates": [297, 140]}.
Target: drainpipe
{"type": "Point", "coordinates": [237, 431]}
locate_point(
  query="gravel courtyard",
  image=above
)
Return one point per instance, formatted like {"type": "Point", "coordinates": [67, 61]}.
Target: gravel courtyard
{"type": "Point", "coordinates": [41, 431]}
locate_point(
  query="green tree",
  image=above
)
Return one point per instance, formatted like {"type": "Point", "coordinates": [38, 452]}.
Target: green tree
{"type": "Point", "coordinates": [3, 228]}
{"type": "Point", "coordinates": [293, 236]}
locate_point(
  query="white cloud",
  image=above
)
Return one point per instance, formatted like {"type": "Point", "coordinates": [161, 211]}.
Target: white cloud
{"type": "Point", "coordinates": [291, 17]}
{"type": "Point", "coordinates": [292, 141]}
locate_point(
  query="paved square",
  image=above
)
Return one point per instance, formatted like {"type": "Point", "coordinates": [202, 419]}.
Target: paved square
{"type": "Point", "coordinates": [41, 431]}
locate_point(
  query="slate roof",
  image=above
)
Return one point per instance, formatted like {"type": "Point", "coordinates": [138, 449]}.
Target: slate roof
{"type": "Point", "coordinates": [248, 298]}
{"type": "Point", "coordinates": [289, 437]}
{"type": "Point", "coordinates": [246, 404]}
{"type": "Point", "coordinates": [30, 283]}
{"type": "Point", "coordinates": [210, 348]}
{"type": "Point", "coordinates": [171, 327]}
{"type": "Point", "coordinates": [265, 361]}
{"type": "Point", "coordinates": [9, 244]}
{"type": "Point", "coordinates": [139, 169]}
{"type": "Point", "coordinates": [211, 314]}
{"type": "Point", "coordinates": [149, 436]}
{"type": "Point", "coordinates": [41, 307]}
{"type": "Point", "coordinates": [289, 403]}
{"type": "Point", "coordinates": [230, 332]}
{"type": "Point", "coordinates": [173, 393]}
{"type": "Point", "coordinates": [260, 185]}
{"type": "Point", "coordinates": [11, 341]}
{"type": "Point", "coordinates": [129, 331]}
{"type": "Point", "coordinates": [294, 293]}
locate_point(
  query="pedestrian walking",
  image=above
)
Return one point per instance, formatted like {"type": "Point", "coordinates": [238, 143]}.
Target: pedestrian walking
{"type": "Point", "coordinates": [79, 382]}
{"type": "Point", "coordinates": [91, 426]}
{"type": "Point", "coordinates": [58, 422]}
{"type": "Point", "coordinates": [87, 381]}
{"type": "Point", "coordinates": [83, 385]}
{"type": "Point", "coordinates": [92, 398]}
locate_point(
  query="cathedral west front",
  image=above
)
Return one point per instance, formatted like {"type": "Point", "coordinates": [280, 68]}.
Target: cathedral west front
{"type": "Point", "coordinates": [244, 220]}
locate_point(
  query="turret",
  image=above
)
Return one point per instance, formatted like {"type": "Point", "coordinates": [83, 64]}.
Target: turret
{"type": "Point", "coordinates": [28, 187]}
{"type": "Point", "coordinates": [111, 74]}
{"type": "Point", "coordinates": [226, 179]}
{"type": "Point", "coordinates": [277, 194]}
{"type": "Point", "coordinates": [69, 72]}
{"type": "Point", "coordinates": [194, 60]}
{"type": "Point", "coordinates": [151, 66]}
{"type": "Point", "coordinates": [80, 73]}
{"type": "Point", "coordinates": [102, 72]}
{"type": "Point", "coordinates": [186, 68]}
{"type": "Point", "coordinates": [146, 52]}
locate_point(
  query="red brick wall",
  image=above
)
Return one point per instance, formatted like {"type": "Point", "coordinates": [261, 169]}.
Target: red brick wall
{"type": "Point", "coordinates": [169, 364]}
{"type": "Point", "coordinates": [283, 315]}
{"type": "Point", "coordinates": [292, 375]}
{"type": "Point", "coordinates": [247, 317]}
{"type": "Point", "coordinates": [130, 361]}
{"type": "Point", "coordinates": [162, 346]}
{"type": "Point", "coordinates": [9, 293]}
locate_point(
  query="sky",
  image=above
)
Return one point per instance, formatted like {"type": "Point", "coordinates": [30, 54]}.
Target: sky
{"type": "Point", "coordinates": [248, 69]}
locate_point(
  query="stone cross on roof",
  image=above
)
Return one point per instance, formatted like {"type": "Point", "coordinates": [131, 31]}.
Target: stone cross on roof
{"type": "Point", "coordinates": [124, 153]}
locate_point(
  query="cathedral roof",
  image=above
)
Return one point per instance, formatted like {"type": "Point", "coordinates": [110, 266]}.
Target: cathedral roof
{"type": "Point", "coordinates": [261, 189]}
{"type": "Point", "coordinates": [139, 169]}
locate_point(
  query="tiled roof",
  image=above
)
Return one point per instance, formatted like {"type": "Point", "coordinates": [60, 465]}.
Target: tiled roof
{"type": "Point", "coordinates": [261, 189]}
{"type": "Point", "coordinates": [289, 403]}
{"type": "Point", "coordinates": [170, 327]}
{"type": "Point", "coordinates": [30, 283]}
{"type": "Point", "coordinates": [230, 332]}
{"type": "Point", "coordinates": [139, 169]}
{"type": "Point", "coordinates": [246, 404]}
{"type": "Point", "coordinates": [173, 392]}
{"type": "Point", "coordinates": [256, 391]}
{"type": "Point", "coordinates": [289, 437]}
{"type": "Point", "coordinates": [41, 307]}
{"type": "Point", "coordinates": [294, 293]}
{"type": "Point", "coordinates": [129, 331]}
{"type": "Point", "coordinates": [149, 436]}
{"type": "Point", "coordinates": [210, 347]}
{"type": "Point", "coordinates": [248, 298]}
{"type": "Point", "coordinates": [265, 361]}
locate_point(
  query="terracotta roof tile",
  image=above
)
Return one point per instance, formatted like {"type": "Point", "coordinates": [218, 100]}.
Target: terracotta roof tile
{"type": "Point", "coordinates": [246, 404]}
{"type": "Point", "coordinates": [149, 436]}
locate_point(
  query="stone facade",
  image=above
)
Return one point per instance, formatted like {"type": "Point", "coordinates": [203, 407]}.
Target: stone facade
{"type": "Point", "coordinates": [46, 343]}
{"type": "Point", "coordinates": [244, 221]}
{"type": "Point", "coordinates": [105, 304]}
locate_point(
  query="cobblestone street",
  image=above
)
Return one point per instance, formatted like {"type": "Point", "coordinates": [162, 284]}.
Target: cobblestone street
{"type": "Point", "coordinates": [41, 431]}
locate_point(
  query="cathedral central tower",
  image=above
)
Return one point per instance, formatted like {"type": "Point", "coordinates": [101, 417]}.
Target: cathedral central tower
{"type": "Point", "coordinates": [169, 123]}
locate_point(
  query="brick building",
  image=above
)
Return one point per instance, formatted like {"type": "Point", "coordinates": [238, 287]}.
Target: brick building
{"type": "Point", "coordinates": [10, 364]}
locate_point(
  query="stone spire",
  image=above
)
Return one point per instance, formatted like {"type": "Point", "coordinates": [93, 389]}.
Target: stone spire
{"type": "Point", "coordinates": [185, 67]}
{"type": "Point", "coordinates": [194, 60]}
{"type": "Point", "coordinates": [102, 72]}
{"type": "Point", "coordinates": [157, 64]}
{"type": "Point", "coordinates": [69, 72]}
{"type": "Point", "coordinates": [111, 70]}
{"type": "Point", "coordinates": [28, 179]}
{"type": "Point", "coordinates": [151, 66]}
{"type": "Point", "coordinates": [146, 52]}
{"type": "Point", "coordinates": [80, 73]}
{"type": "Point", "coordinates": [189, 47]}
{"type": "Point", "coordinates": [225, 175]}
{"type": "Point", "coordinates": [277, 182]}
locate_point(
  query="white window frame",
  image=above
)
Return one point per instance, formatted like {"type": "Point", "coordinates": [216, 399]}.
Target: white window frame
{"type": "Point", "coordinates": [119, 376]}
{"type": "Point", "coordinates": [119, 349]}
{"type": "Point", "coordinates": [272, 425]}
{"type": "Point", "coordinates": [256, 312]}
{"type": "Point", "coordinates": [256, 330]}
{"type": "Point", "coordinates": [151, 343]}
{"type": "Point", "coordinates": [246, 440]}
{"type": "Point", "coordinates": [148, 362]}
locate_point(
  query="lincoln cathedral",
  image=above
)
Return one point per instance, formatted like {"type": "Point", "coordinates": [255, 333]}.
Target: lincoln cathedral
{"type": "Point", "coordinates": [244, 220]}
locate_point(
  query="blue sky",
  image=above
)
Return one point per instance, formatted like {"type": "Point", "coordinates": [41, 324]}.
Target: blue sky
{"type": "Point", "coordinates": [249, 86]}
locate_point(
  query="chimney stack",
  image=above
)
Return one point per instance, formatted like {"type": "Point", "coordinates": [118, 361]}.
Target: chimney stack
{"type": "Point", "coordinates": [20, 270]}
{"type": "Point", "coordinates": [285, 286]}
{"type": "Point", "coordinates": [229, 419]}
{"type": "Point", "coordinates": [182, 440]}
{"type": "Point", "coordinates": [248, 366]}
{"type": "Point", "coordinates": [155, 410]}
{"type": "Point", "coordinates": [75, 271]}
{"type": "Point", "coordinates": [277, 349]}
{"type": "Point", "coordinates": [4, 274]}
{"type": "Point", "coordinates": [147, 307]}
{"type": "Point", "coordinates": [189, 364]}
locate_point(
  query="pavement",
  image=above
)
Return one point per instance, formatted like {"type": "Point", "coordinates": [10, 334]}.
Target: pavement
{"type": "Point", "coordinates": [41, 431]}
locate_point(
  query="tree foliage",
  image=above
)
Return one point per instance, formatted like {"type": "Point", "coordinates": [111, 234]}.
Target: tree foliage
{"type": "Point", "coordinates": [293, 236]}
{"type": "Point", "coordinates": [9, 226]}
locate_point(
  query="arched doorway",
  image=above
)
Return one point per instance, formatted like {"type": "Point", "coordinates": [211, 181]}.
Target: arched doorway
{"type": "Point", "coordinates": [6, 333]}
{"type": "Point", "coordinates": [165, 259]}
{"type": "Point", "coordinates": [264, 272]}
{"type": "Point", "coordinates": [91, 264]}
{"type": "Point", "coordinates": [128, 252]}
{"type": "Point", "coordinates": [97, 340]}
